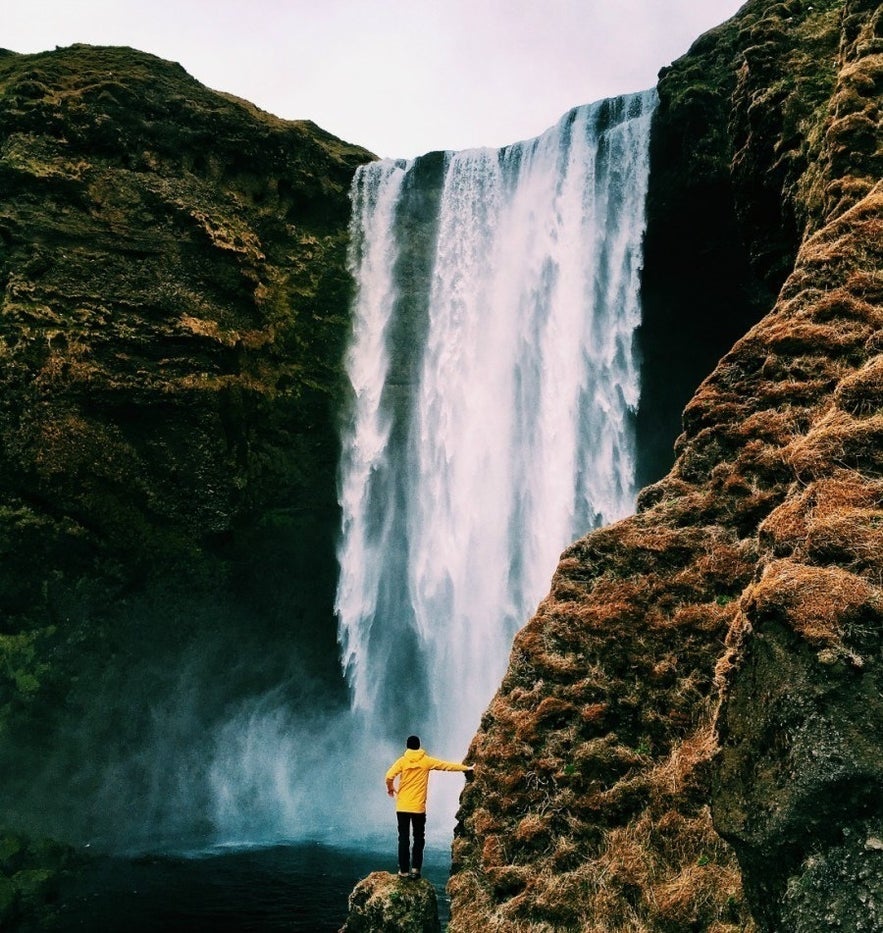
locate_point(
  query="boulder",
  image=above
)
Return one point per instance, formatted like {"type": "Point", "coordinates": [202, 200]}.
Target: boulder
{"type": "Point", "coordinates": [385, 903]}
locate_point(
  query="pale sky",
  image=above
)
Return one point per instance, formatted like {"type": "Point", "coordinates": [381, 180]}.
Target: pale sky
{"type": "Point", "coordinates": [400, 78]}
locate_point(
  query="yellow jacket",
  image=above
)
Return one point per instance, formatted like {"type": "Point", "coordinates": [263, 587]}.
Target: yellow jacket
{"type": "Point", "coordinates": [414, 767]}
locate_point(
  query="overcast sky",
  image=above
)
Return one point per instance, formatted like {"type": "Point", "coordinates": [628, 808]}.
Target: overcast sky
{"type": "Point", "coordinates": [400, 78]}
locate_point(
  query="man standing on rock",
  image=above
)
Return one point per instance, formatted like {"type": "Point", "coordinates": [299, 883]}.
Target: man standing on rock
{"type": "Point", "coordinates": [413, 771]}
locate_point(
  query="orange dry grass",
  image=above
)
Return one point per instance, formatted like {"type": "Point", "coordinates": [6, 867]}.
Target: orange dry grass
{"type": "Point", "coordinates": [842, 304]}
{"type": "Point", "coordinates": [845, 193]}
{"type": "Point", "coordinates": [775, 426]}
{"type": "Point", "coordinates": [815, 602]}
{"type": "Point", "coordinates": [839, 439]}
{"type": "Point", "coordinates": [837, 244]}
{"type": "Point", "coordinates": [697, 888]}
{"type": "Point", "coordinates": [680, 873]}
{"type": "Point", "coordinates": [861, 392]}
{"type": "Point", "coordinates": [703, 617]}
{"type": "Point", "coordinates": [790, 336]}
{"type": "Point", "coordinates": [677, 772]}
{"type": "Point", "coordinates": [785, 527]}
{"type": "Point", "coordinates": [844, 489]}
{"type": "Point", "coordinates": [665, 868]}
{"type": "Point", "coordinates": [836, 518]}
{"type": "Point", "coordinates": [851, 536]}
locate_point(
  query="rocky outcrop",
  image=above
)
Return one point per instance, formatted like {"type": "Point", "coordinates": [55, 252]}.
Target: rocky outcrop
{"type": "Point", "coordinates": [383, 903]}
{"type": "Point", "coordinates": [173, 309]}
{"type": "Point", "coordinates": [797, 780]}
{"type": "Point", "coordinates": [596, 761]}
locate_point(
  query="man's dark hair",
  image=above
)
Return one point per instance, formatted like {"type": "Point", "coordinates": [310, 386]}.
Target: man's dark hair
{"type": "Point", "coordinates": [413, 741]}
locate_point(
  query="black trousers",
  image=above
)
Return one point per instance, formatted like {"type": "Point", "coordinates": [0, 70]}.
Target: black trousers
{"type": "Point", "coordinates": [407, 860]}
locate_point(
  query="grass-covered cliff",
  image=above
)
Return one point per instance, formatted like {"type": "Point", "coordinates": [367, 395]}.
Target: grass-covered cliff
{"type": "Point", "coordinates": [688, 735]}
{"type": "Point", "coordinates": [173, 308]}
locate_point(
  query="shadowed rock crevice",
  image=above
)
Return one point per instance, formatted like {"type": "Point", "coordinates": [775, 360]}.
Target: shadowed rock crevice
{"type": "Point", "coordinates": [733, 154]}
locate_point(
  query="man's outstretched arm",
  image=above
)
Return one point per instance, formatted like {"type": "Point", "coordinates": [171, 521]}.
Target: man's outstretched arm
{"type": "Point", "coordinates": [436, 764]}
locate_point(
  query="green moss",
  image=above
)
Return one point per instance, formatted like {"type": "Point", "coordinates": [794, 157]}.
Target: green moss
{"type": "Point", "coordinates": [8, 899]}
{"type": "Point", "coordinates": [30, 872]}
{"type": "Point", "coordinates": [10, 847]}
{"type": "Point", "coordinates": [22, 670]}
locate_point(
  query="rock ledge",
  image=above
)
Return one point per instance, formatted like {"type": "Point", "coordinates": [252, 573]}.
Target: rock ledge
{"type": "Point", "coordinates": [385, 903]}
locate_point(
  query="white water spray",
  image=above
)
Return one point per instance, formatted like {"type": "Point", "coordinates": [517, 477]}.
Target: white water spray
{"type": "Point", "coordinates": [514, 435]}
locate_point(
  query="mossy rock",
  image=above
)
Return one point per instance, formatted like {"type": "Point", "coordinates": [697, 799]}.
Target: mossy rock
{"type": "Point", "coordinates": [385, 903]}
{"type": "Point", "coordinates": [8, 899]}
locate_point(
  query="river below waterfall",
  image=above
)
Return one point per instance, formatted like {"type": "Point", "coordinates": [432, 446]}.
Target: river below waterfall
{"type": "Point", "coordinates": [299, 887]}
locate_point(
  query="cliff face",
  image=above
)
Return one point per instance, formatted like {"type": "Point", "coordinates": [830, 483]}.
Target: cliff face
{"type": "Point", "coordinates": [174, 307]}
{"type": "Point", "coordinates": [624, 715]}
{"type": "Point", "coordinates": [796, 784]}
{"type": "Point", "coordinates": [734, 136]}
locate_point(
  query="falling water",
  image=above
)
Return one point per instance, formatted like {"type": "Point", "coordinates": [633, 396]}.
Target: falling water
{"type": "Point", "coordinates": [364, 466]}
{"type": "Point", "coordinates": [494, 384]}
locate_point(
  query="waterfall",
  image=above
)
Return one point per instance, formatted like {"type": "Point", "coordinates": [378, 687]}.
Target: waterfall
{"type": "Point", "coordinates": [494, 386]}
{"type": "Point", "coordinates": [366, 529]}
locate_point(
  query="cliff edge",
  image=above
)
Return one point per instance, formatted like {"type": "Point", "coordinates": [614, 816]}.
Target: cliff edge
{"type": "Point", "coordinates": [688, 733]}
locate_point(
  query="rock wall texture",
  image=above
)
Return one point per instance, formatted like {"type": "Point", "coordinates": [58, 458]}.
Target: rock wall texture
{"type": "Point", "coordinates": [173, 307]}
{"type": "Point", "coordinates": [797, 781]}
{"type": "Point", "coordinates": [688, 736]}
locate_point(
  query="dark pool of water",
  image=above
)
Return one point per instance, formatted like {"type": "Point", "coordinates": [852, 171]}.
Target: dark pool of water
{"type": "Point", "coordinates": [301, 887]}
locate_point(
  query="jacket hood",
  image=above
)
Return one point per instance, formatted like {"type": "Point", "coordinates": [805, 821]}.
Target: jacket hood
{"type": "Point", "coordinates": [414, 754]}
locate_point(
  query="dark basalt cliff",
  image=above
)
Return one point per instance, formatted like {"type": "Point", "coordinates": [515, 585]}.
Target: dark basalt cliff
{"type": "Point", "coordinates": [689, 733]}
{"type": "Point", "coordinates": [174, 307]}
{"type": "Point", "coordinates": [733, 138]}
